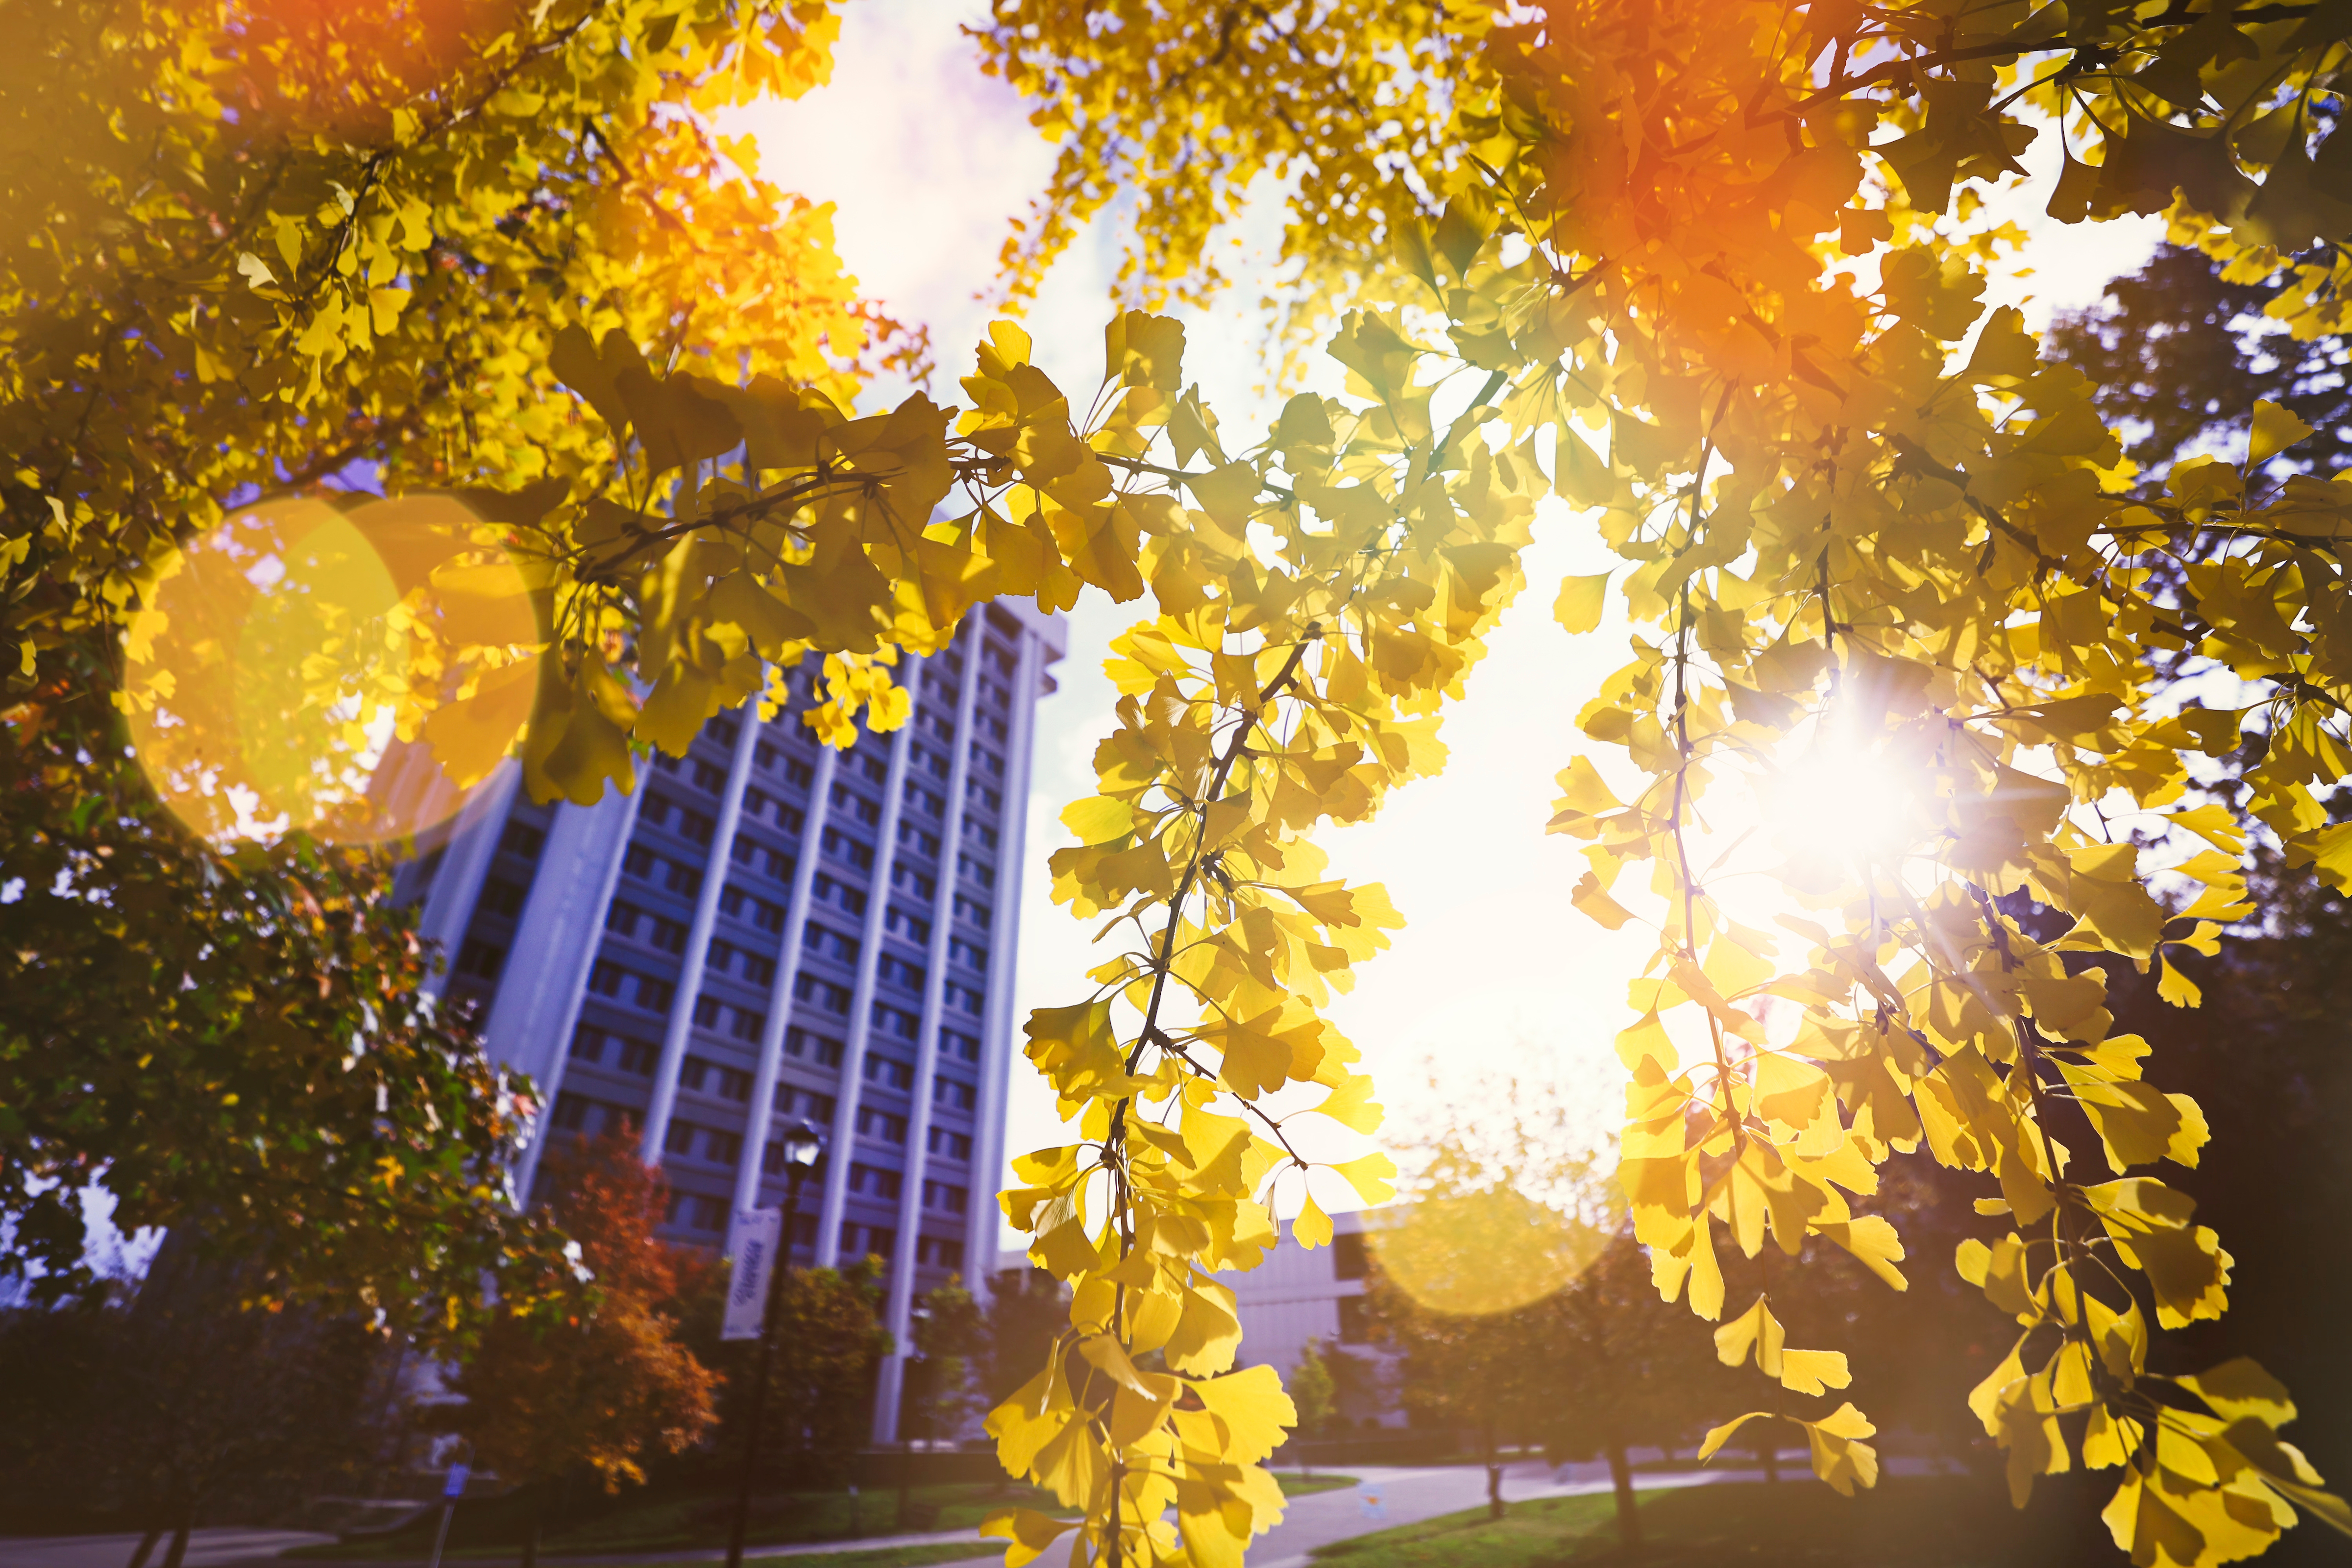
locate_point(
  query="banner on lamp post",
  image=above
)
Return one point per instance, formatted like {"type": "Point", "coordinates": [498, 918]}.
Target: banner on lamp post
{"type": "Point", "coordinates": [752, 1245]}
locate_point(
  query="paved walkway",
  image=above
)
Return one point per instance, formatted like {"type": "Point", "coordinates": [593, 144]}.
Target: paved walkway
{"type": "Point", "coordinates": [206, 1548]}
{"type": "Point", "coordinates": [1383, 1498]}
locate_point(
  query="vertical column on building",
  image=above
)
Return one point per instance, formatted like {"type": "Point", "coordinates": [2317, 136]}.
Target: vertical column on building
{"type": "Point", "coordinates": [465, 863]}
{"type": "Point", "coordinates": [530, 1025]}
{"type": "Point", "coordinates": [664, 1101]}
{"type": "Point", "coordinates": [861, 1001]}
{"type": "Point", "coordinates": [897, 1313]}
{"type": "Point", "coordinates": [748, 1165]}
{"type": "Point", "coordinates": [997, 1046]}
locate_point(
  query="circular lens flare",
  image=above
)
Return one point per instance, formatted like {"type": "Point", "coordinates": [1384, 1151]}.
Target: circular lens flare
{"type": "Point", "coordinates": [352, 675]}
{"type": "Point", "coordinates": [1474, 1254]}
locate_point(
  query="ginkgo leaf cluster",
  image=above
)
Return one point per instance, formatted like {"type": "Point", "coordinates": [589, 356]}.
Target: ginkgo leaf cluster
{"type": "Point", "coordinates": [1711, 272]}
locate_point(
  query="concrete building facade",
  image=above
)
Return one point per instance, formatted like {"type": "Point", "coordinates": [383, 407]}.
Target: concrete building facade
{"type": "Point", "coordinates": [1299, 1295]}
{"type": "Point", "coordinates": [767, 930]}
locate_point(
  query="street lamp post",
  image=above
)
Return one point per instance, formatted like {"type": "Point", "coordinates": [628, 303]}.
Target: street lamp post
{"type": "Point", "coordinates": [915, 1391]}
{"type": "Point", "coordinates": [803, 1146]}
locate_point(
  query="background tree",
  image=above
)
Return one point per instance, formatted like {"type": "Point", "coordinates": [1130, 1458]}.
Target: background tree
{"type": "Point", "coordinates": [611, 1384]}
{"type": "Point", "coordinates": [2179, 352]}
{"type": "Point", "coordinates": [234, 1044]}
{"type": "Point", "coordinates": [1508, 1206]}
{"type": "Point", "coordinates": [1617, 1371]}
{"type": "Point", "coordinates": [948, 1338]}
{"type": "Point", "coordinates": [1312, 1389]}
{"type": "Point", "coordinates": [830, 1343]}
{"type": "Point", "coordinates": [1026, 1311]}
{"type": "Point", "coordinates": [179, 1406]}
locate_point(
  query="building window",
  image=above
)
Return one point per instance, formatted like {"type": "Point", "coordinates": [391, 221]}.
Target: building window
{"type": "Point", "coordinates": [946, 1197]}
{"type": "Point", "coordinates": [906, 879]}
{"type": "Point", "coordinates": [889, 1074]}
{"type": "Point", "coordinates": [679, 1139]}
{"type": "Point", "coordinates": [954, 1092]}
{"type": "Point", "coordinates": [898, 972]}
{"type": "Point", "coordinates": [683, 880]}
{"type": "Point", "coordinates": [799, 772]}
{"type": "Point", "coordinates": [639, 1056]}
{"type": "Point", "coordinates": [572, 1112]}
{"type": "Point", "coordinates": [895, 1021]}
{"type": "Point", "coordinates": [965, 953]}
{"type": "Point", "coordinates": [867, 1241]}
{"type": "Point", "coordinates": [638, 862]}
{"type": "Point", "coordinates": [708, 778]}
{"type": "Point", "coordinates": [913, 837]}
{"type": "Point", "coordinates": [588, 1044]}
{"type": "Point", "coordinates": [728, 959]}
{"type": "Point", "coordinates": [951, 1145]}
{"type": "Point", "coordinates": [842, 846]}
{"type": "Point", "coordinates": [963, 999]}
{"type": "Point", "coordinates": [823, 993]}
{"type": "Point", "coordinates": [1355, 1322]}
{"type": "Point", "coordinates": [963, 1048]}
{"type": "Point", "coordinates": [873, 1182]}
{"type": "Point", "coordinates": [521, 838]}
{"type": "Point", "coordinates": [980, 871]}
{"type": "Point", "coordinates": [806, 1103]}
{"type": "Point", "coordinates": [821, 1048]}
{"type": "Point", "coordinates": [830, 891]}
{"type": "Point", "coordinates": [938, 1252]}
{"type": "Point", "coordinates": [881, 1125]}
{"type": "Point", "coordinates": [501, 896]}
{"type": "Point", "coordinates": [747, 1024]}
{"type": "Point", "coordinates": [974, 911]}
{"type": "Point", "coordinates": [1347, 1256]}
{"type": "Point", "coordinates": [706, 1017]}
{"type": "Point", "coordinates": [481, 959]}
{"type": "Point", "coordinates": [856, 805]}
{"type": "Point", "coordinates": [722, 1148]}
{"type": "Point", "coordinates": [901, 923]}
{"type": "Point", "coordinates": [841, 949]}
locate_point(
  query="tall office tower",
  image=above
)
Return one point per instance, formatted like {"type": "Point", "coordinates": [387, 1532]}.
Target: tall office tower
{"type": "Point", "coordinates": [766, 930]}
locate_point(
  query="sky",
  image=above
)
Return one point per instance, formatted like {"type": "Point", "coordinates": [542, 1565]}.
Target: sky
{"type": "Point", "coordinates": [926, 162]}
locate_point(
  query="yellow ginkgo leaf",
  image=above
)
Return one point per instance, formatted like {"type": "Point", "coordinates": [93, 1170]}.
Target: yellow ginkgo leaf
{"type": "Point", "coordinates": [2274, 430]}
{"type": "Point", "coordinates": [1313, 1226]}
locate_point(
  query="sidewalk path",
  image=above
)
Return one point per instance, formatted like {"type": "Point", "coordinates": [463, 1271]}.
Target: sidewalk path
{"type": "Point", "coordinates": [1383, 1498]}
{"type": "Point", "coordinates": [1388, 1497]}
{"type": "Point", "coordinates": [206, 1548]}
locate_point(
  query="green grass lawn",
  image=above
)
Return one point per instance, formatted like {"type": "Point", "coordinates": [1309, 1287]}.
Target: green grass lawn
{"type": "Point", "coordinates": [870, 1557]}
{"type": "Point", "coordinates": [1953, 1521]}
{"type": "Point", "coordinates": [659, 1520]}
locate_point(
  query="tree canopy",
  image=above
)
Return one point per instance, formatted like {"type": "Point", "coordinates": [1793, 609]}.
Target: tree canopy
{"type": "Point", "coordinates": [1877, 548]}
{"type": "Point", "coordinates": [235, 1046]}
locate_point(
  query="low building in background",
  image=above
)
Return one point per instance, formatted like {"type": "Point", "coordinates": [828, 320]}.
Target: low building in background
{"type": "Point", "coordinates": [1299, 1295]}
{"type": "Point", "coordinates": [767, 930]}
